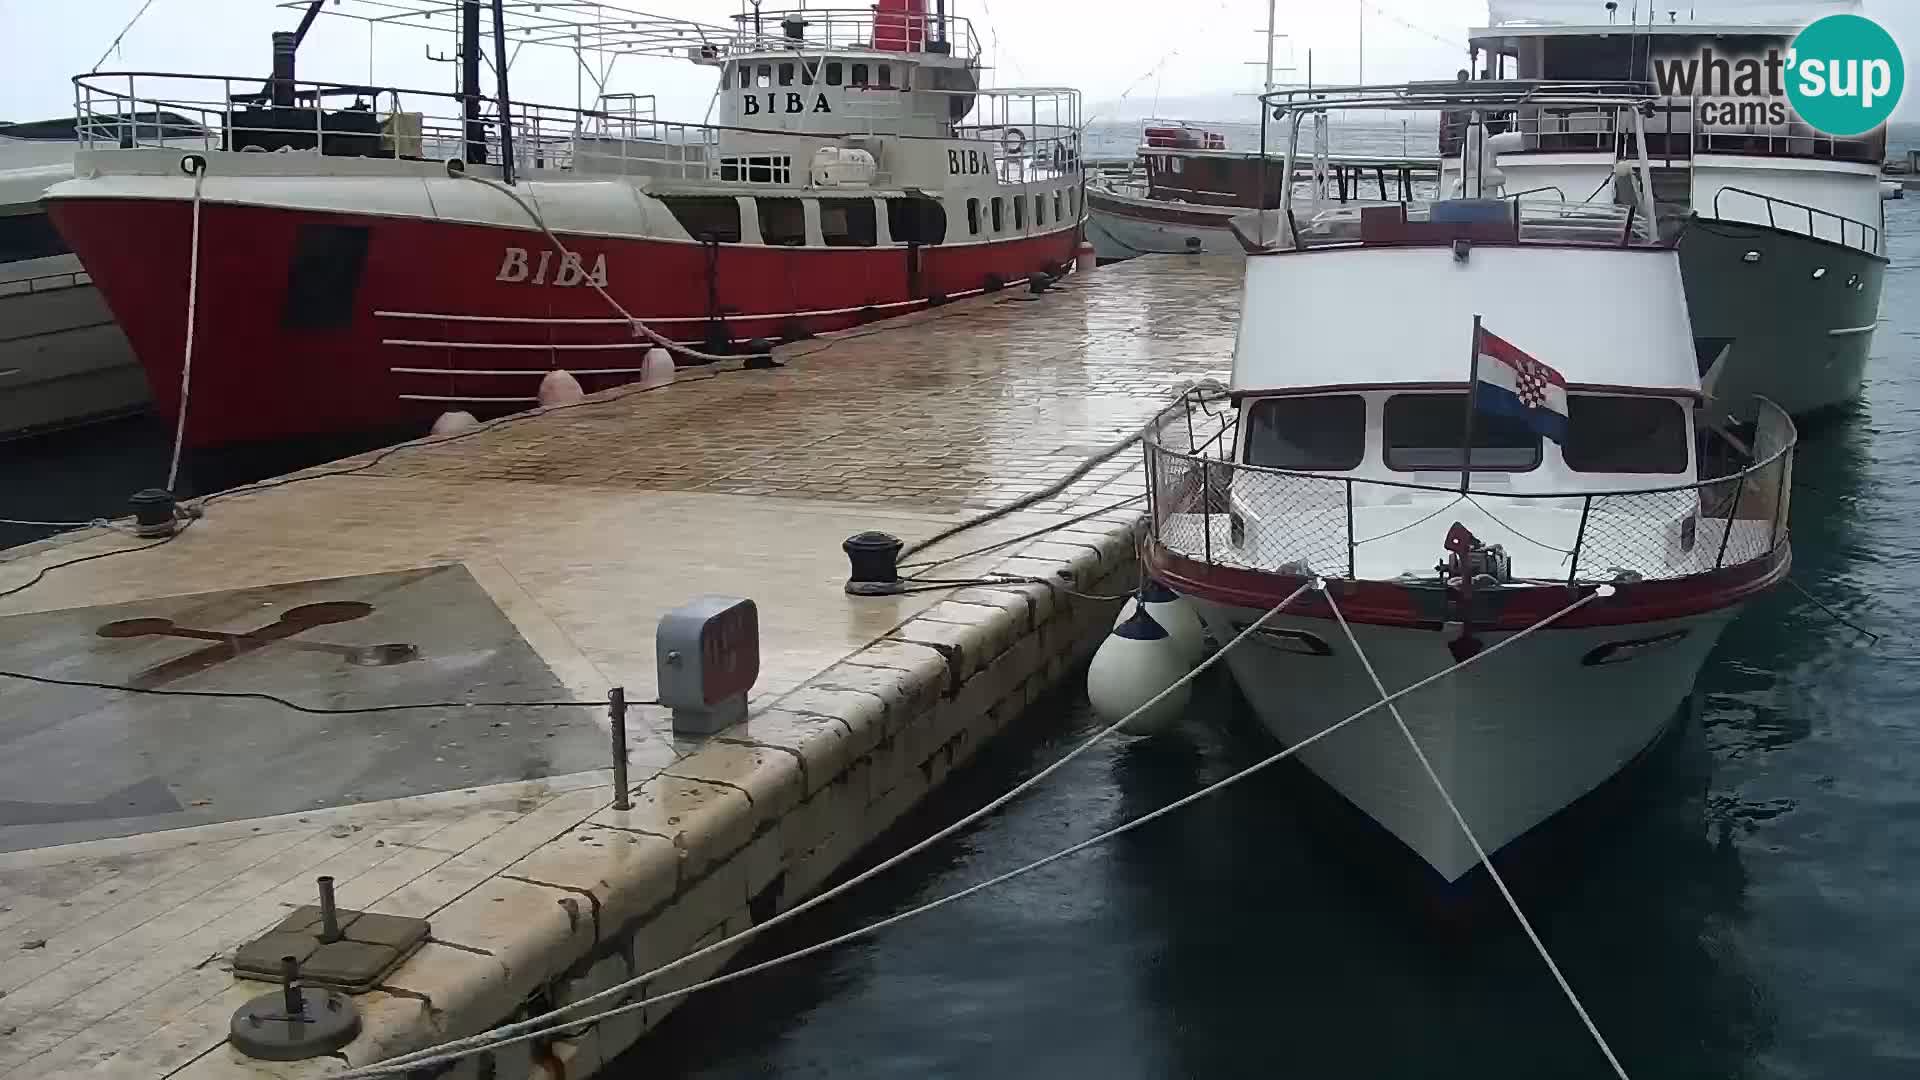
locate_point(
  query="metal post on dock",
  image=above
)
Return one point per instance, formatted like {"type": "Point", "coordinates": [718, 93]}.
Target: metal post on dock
{"type": "Point", "coordinates": [329, 914]}
{"type": "Point", "coordinates": [617, 712]}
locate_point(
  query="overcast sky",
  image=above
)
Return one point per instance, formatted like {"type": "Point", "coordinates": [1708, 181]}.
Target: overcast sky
{"type": "Point", "coordinates": [1115, 51]}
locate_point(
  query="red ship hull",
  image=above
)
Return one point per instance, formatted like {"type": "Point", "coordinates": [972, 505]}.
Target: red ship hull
{"type": "Point", "coordinates": [313, 322]}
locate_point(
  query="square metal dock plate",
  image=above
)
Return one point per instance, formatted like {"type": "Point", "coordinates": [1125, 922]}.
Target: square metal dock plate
{"type": "Point", "coordinates": [372, 946]}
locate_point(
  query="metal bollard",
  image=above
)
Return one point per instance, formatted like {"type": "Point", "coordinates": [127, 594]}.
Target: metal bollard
{"type": "Point", "coordinates": [329, 915]}
{"type": "Point", "coordinates": [617, 711]}
{"type": "Point", "coordinates": [290, 987]}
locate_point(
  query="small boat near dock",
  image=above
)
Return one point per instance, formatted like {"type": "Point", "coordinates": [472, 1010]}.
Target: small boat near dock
{"type": "Point", "coordinates": [1478, 473]}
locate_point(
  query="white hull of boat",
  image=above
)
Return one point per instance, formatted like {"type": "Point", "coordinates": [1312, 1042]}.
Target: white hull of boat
{"type": "Point", "coordinates": [1515, 738]}
{"type": "Point", "coordinates": [1122, 227]}
{"type": "Point", "coordinates": [63, 361]}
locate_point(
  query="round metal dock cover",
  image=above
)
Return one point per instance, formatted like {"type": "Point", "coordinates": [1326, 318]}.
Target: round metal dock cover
{"type": "Point", "coordinates": [262, 1028]}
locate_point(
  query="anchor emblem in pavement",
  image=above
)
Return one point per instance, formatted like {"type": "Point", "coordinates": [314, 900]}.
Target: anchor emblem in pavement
{"type": "Point", "coordinates": [290, 624]}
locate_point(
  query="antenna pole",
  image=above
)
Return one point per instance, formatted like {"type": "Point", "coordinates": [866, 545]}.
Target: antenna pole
{"type": "Point", "coordinates": [505, 104]}
{"type": "Point", "coordinates": [470, 81]}
{"type": "Point", "coordinates": [1360, 11]}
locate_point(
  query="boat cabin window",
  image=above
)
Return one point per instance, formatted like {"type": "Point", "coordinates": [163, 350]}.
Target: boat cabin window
{"type": "Point", "coordinates": [973, 217]}
{"type": "Point", "coordinates": [28, 236]}
{"type": "Point", "coordinates": [1039, 210]}
{"type": "Point", "coordinates": [833, 73]}
{"type": "Point", "coordinates": [746, 75]}
{"type": "Point", "coordinates": [1625, 434]}
{"type": "Point", "coordinates": [1591, 59]}
{"type": "Point", "coordinates": [786, 74]}
{"type": "Point", "coordinates": [1423, 431]}
{"type": "Point", "coordinates": [1019, 213]}
{"type": "Point", "coordinates": [859, 75]}
{"type": "Point", "coordinates": [885, 72]}
{"type": "Point", "coordinates": [1056, 206]}
{"type": "Point", "coordinates": [765, 76]}
{"type": "Point", "coordinates": [783, 222]}
{"type": "Point", "coordinates": [848, 223]}
{"type": "Point", "coordinates": [809, 72]}
{"type": "Point", "coordinates": [706, 217]}
{"type": "Point", "coordinates": [916, 219]}
{"type": "Point", "coordinates": [999, 222]}
{"type": "Point", "coordinates": [1322, 433]}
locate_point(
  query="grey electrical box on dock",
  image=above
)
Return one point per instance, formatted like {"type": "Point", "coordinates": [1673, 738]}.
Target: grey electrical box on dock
{"type": "Point", "coordinates": [708, 654]}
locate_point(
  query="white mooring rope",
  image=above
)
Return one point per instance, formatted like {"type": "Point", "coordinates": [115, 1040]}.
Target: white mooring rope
{"type": "Point", "coordinates": [1460, 819]}
{"type": "Point", "coordinates": [539, 1027]}
{"type": "Point", "coordinates": [525, 1029]}
{"type": "Point", "coordinates": [196, 165]}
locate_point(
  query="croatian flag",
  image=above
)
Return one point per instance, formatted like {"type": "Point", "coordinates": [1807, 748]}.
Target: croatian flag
{"type": "Point", "coordinates": [1508, 382]}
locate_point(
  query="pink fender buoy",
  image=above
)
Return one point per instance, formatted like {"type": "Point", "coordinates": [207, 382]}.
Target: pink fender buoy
{"type": "Point", "coordinates": [1083, 258]}
{"type": "Point", "coordinates": [560, 388]}
{"type": "Point", "coordinates": [450, 423]}
{"type": "Point", "coordinates": [657, 368]}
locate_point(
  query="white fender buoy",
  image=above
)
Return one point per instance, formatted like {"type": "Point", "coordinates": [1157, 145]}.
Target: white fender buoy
{"type": "Point", "coordinates": [449, 423]}
{"type": "Point", "coordinates": [1174, 614]}
{"type": "Point", "coordinates": [560, 388]}
{"type": "Point", "coordinates": [1138, 660]}
{"type": "Point", "coordinates": [657, 369]}
{"type": "Point", "coordinates": [1084, 260]}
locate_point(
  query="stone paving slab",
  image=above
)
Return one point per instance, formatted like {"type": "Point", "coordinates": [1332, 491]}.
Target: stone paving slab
{"type": "Point", "coordinates": [578, 528]}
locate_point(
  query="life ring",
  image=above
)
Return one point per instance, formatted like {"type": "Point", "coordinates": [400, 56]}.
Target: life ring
{"type": "Point", "coordinates": [1014, 141]}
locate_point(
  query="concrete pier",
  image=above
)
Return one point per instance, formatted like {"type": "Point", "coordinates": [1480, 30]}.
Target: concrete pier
{"type": "Point", "coordinates": [144, 838]}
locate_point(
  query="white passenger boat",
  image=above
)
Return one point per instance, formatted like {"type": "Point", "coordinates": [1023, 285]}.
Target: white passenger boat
{"type": "Point", "coordinates": [1344, 456]}
{"type": "Point", "coordinates": [1781, 227]}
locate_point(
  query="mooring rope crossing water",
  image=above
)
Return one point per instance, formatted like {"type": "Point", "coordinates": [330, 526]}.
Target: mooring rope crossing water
{"type": "Point", "coordinates": [559, 1022]}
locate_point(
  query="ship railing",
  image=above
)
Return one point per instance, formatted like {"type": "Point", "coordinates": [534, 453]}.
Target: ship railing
{"type": "Point", "coordinates": [1522, 218]}
{"type": "Point", "coordinates": [1205, 507]}
{"type": "Point", "coordinates": [813, 29]}
{"type": "Point", "coordinates": [1787, 215]}
{"type": "Point", "coordinates": [1029, 134]}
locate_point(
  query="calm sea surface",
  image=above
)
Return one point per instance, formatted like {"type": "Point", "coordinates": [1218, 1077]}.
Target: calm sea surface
{"type": "Point", "coordinates": [1749, 906]}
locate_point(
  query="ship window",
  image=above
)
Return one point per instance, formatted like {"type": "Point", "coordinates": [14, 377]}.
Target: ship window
{"type": "Point", "coordinates": [765, 76]}
{"type": "Point", "coordinates": [918, 220]}
{"type": "Point", "coordinates": [706, 217]}
{"type": "Point", "coordinates": [859, 75]}
{"type": "Point", "coordinates": [848, 223]}
{"type": "Point", "coordinates": [1057, 215]}
{"type": "Point", "coordinates": [973, 216]}
{"type": "Point", "coordinates": [1625, 435]}
{"type": "Point", "coordinates": [809, 72]}
{"type": "Point", "coordinates": [833, 73]}
{"type": "Point", "coordinates": [1039, 210]}
{"type": "Point", "coordinates": [1019, 213]}
{"type": "Point", "coordinates": [1423, 431]}
{"type": "Point", "coordinates": [786, 74]}
{"type": "Point", "coordinates": [886, 74]}
{"type": "Point", "coordinates": [323, 276]}
{"type": "Point", "coordinates": [999, 222]}
{"type": "Point", "coordinates": [1073, 201]}
{"type": "Point", "coordinates": [746, 75]}
{"type": "Point", "coordinates": [1322, 433]}
{"type": "Point", "coordinates": [28, 236]}
{"type": "Point", "coordinates": [783, 222]}
{"type": "Point", "coordinates": [757, 169]}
